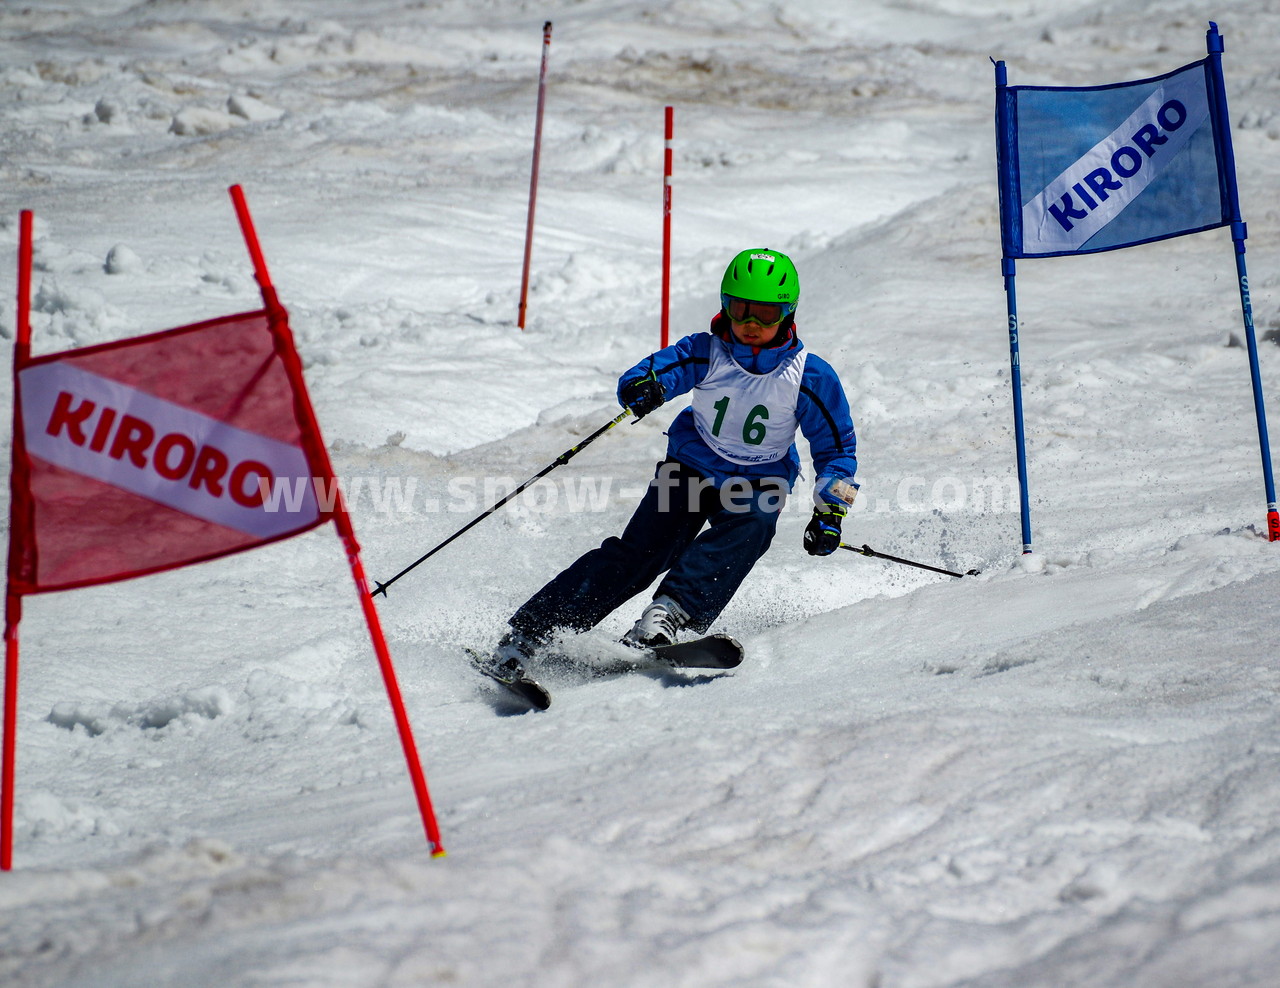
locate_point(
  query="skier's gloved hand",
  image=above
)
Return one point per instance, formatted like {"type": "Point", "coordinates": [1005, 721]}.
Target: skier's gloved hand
{"type": "Point", "coordinates": [642, 396]}
{"type": "Point", "coordinates": [822, 535]}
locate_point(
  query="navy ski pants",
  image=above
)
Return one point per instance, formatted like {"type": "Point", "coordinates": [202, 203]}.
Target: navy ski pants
{"type": "Point", "coordinates": [665, 535]}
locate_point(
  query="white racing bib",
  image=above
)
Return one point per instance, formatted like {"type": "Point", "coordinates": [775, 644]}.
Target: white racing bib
{"type": "Point", "coordinates": [748, 418]}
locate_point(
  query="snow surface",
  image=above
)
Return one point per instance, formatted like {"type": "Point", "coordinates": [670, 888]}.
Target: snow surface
{"type": "Point", "coordinates": [1064, 771]}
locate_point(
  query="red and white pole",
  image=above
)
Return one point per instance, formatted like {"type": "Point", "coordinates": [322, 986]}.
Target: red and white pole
{"type": "Point", "coordinates": [666, 229]}
{"type": "Point", "coordinates": [533, 176]}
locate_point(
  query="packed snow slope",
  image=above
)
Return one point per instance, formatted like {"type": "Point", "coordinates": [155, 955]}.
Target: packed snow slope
{"type": "Point", "coordinates": [1063, 771]}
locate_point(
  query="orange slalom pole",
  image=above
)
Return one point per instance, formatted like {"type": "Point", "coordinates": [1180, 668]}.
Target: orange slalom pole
{"type": "Point", "coordinates": [25, 226]}
{"type": "Point", "coordinates": [416, 775]}
{"type": "Point", "coordinates": [12, 614]}
{"type": "Point", "coordinates": [12, 600]}
{"type": "Point", "coordinates": [318, 455]}
{"type": "Point", "coordinates": [533, 177]}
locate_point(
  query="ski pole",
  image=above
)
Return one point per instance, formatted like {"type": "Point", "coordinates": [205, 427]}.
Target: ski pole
{"type": "Point", "coordinates": [866, 550]}
{"type": "Point", "coordinates": [563, 458]}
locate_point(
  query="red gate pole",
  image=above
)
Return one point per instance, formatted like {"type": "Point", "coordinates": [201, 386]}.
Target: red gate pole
{"type": "Point", "coordinates": [12, 615]}
{"type": "Point", "coordinates": [17, 532]}
{"type": "Point", "coordinates": [533, 177]}
{"type": "Point", "coordinates": [666, 229]}
{"type": "Point", "coordinates": [318, 455]}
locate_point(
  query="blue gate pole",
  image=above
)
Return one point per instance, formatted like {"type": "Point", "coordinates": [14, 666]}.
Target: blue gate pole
{"type": "Point", "coordinates": [1009, 270]}
{"type": "Point", "coordinates": [1015, 380]}
{"type": "Point", "coordinates": [1239, 233]}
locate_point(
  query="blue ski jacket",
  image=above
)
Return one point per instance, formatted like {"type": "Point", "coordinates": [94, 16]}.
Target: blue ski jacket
{"type": "Point", "coordinates": [822, 410]}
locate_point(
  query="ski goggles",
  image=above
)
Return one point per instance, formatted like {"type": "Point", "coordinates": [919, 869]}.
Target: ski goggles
{"type": "Point", "coordinates": [760, 313]}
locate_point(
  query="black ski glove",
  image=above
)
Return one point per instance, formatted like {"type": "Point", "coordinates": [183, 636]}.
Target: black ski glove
{"type": "Point", "coordinates": [822, 535]}
{"type": "Point", "coordinates": [642, 396]}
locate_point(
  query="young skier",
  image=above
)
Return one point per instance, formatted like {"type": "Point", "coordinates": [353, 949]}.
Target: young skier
{"type": "Point", "coordinates": [711, 510]}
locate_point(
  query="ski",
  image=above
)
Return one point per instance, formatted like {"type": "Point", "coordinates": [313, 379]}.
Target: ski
{"type": "Point", "coordinates": [524, 689]}
{"type": "Point", "coordinates": [710, 652]}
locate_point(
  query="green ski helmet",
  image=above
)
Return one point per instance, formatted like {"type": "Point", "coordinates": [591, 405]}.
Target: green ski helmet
{"type": "Point", "coordinates": [761, 275]}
